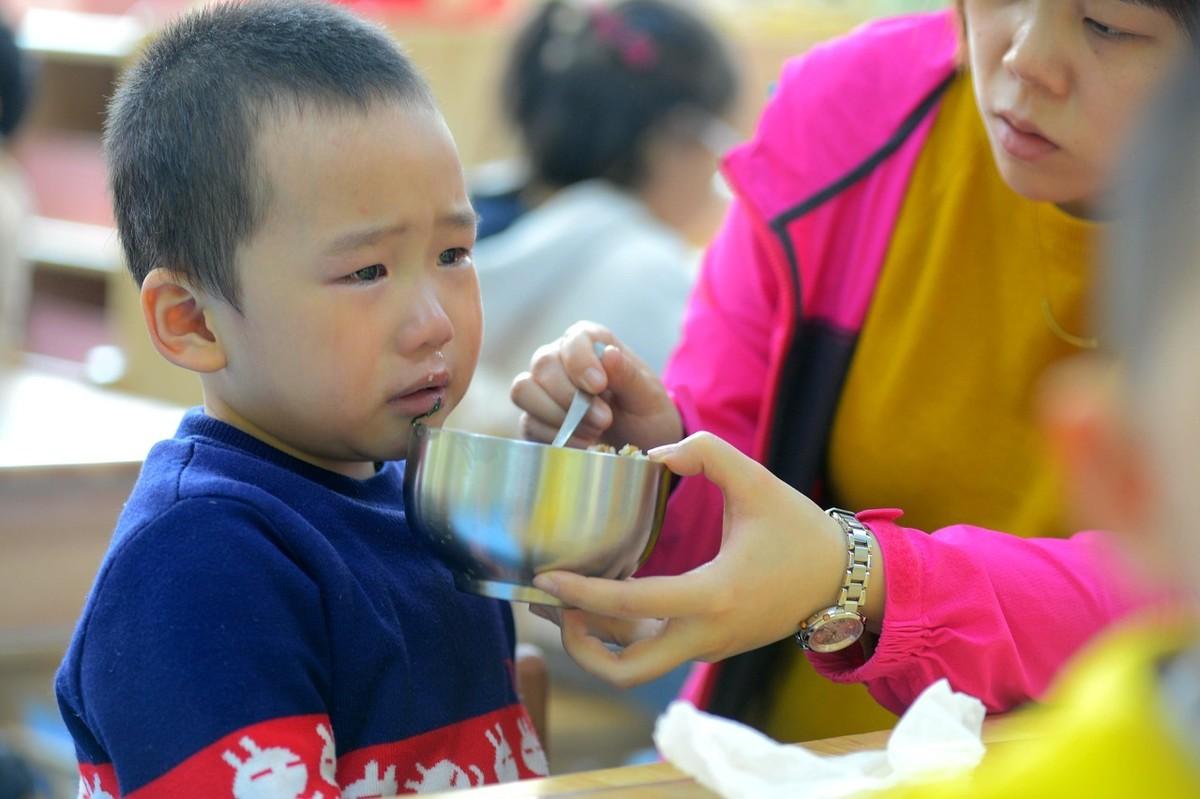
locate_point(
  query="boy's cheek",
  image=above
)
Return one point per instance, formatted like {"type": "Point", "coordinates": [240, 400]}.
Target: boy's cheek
{"type": "Point", "coordinates": [461, 383]}
{"type": "Point", "coordinates": [469, 332]}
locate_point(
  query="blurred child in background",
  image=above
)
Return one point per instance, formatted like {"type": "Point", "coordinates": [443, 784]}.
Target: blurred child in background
{"type": "Point", "coordinates": [619, 111]}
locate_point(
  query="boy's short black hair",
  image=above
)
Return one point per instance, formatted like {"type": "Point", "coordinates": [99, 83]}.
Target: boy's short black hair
{"type": "Point", "coordinates": [181, 130]}
{"type": "Point", "coordinates": [1154, 263]}
{"type": "Point", "coordinates": [585, 83]}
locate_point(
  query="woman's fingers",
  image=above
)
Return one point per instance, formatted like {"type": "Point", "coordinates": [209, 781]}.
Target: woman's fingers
{"type": "Point", "coordinates": [533, 429]}
{"type": "Point", "coordinates": [632, 406]}
{"type": "Point", "coordinates": [577, 351]}
{"type": "Point", "coordinates": [645, 598]}
{"type": "Point", "coordinates": [620, 632]}
{"type": "Point", "coordinates": [533, 398]}
{"type": "Point", "coordinates": [664, 648]}
{"type": "Point", "coordinates": [545, 392]}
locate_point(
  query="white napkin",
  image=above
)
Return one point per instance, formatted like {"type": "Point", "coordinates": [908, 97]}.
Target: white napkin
{"type": "Point", "coordinates": [939, 733]}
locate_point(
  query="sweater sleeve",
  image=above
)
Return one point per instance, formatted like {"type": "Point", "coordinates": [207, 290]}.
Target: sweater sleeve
{"type": "Point", "coordinates": [200, 669]}
{"type": "Point", "coordinates": [993, 613]}
{"type": "Point", "coordinates": [717, 377]}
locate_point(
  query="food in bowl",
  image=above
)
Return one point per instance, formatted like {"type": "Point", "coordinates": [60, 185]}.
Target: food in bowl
{"type": "Point", "coordinates": [628, 451]}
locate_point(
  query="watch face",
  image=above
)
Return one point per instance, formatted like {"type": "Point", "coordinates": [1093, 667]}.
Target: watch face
{"type": "Point", "coordinates": [835, 632]}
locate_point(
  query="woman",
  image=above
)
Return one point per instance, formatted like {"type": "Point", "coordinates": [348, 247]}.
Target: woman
{"type": "Point", "coordinates": [908, 252]}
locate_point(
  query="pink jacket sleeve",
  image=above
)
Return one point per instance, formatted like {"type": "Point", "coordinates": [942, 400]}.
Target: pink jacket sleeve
{"type": "Point", "coordinates": [717, 377]}
{"type": "Point", "coordinates": [993, 613]}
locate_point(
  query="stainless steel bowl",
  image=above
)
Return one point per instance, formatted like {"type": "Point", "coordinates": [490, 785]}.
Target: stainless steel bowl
{"type": "Point", "coordinates": [500, 511]}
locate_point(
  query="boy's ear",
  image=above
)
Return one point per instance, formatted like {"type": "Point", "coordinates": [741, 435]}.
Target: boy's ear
{"type": "Point", "coordinates": [1109, 485]}
{"type": "Point", "coordinates": [176, 318]}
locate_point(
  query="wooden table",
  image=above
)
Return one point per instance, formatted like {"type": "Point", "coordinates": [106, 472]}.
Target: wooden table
{"type": "Point", "coordinates": [664, 781]}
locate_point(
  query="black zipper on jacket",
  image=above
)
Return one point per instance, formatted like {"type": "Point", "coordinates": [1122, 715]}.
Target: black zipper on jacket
{"type": "Point", "coordinates": [780, 222]}
{"type": "Point", "coordinates": [796, 447]}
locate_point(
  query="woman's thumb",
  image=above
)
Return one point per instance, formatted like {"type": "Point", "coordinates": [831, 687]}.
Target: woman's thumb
{"type": "Point", "coordinates": [716, 459]}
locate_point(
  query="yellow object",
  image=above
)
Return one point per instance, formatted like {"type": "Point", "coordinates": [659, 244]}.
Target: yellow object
{"type": "Point", "coordinates": [938, 414]}
{"type": "Point", "coordinates": [1104, 733]}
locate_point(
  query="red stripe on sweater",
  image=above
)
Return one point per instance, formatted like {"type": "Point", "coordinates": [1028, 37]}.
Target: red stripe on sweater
{"type": "Point", "coordinates": [290, 758]}
{"type": "Point", "coordinates": [500, 746]}
{"type": "Point", "coordinates": [294, 758]}
{"type": "Point", "coordinates": [97, 781]}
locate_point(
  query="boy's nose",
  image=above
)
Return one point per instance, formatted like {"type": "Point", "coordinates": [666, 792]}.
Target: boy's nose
{"type": "Point", "coordinates": [428, 326]}
{"type": "Point", "coordinates": [1035, 56]}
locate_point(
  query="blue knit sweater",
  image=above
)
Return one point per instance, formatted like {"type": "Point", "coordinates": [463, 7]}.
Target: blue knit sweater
{"type": "Point", "coordinates": [261, 627]}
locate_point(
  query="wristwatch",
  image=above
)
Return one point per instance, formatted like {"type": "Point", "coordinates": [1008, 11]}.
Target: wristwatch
{"type": "Point", "coordinates": [837, 627]}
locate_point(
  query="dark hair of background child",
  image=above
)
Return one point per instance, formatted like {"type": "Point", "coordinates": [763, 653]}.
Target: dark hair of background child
{"type": "Point", "coordinates": [584, 94]}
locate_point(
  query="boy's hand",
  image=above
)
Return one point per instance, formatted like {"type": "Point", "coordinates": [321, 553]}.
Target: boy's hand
{"type": "Point", "coordinates": [631, 407]}
{"type": "Point", "coordinates": [781, 560]}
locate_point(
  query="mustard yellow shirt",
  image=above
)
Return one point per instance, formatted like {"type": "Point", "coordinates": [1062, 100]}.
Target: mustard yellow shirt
{"type": "Point", "coordinates": [938, 413]}
{"type": "Point", "coordinates": [1105, 732]}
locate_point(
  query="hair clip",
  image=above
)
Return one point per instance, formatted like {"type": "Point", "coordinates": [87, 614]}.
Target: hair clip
{"type": "Point", "coordinates": [635, 48]}
{"type": "Point", "coordinates": [570, 22]}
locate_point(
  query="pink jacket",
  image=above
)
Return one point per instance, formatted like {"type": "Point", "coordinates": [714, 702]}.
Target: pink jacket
{"type": "Point", "coordinates": [767, 342]}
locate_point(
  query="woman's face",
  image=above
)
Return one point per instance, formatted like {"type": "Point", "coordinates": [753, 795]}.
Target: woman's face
{"type": "Point", "coordinates": [1061, 82]}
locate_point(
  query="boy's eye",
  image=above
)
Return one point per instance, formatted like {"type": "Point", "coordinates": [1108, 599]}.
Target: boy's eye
{"type": "Point", "coordinates": [368, 274]}
{"type": "Point", "coordinates": [1105, 31]}
{"type": "Point", "coordinates": [453, 256]}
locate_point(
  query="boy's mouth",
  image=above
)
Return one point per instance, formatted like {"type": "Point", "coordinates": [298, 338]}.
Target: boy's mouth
{"type": "Point", "coordinates": [424, 396]}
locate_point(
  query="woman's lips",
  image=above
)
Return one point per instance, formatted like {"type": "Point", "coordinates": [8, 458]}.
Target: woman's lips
{"type": "Point", "coordinates": [419, 402]}
{"type": "Point", "coordinates": [1022, 140]}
